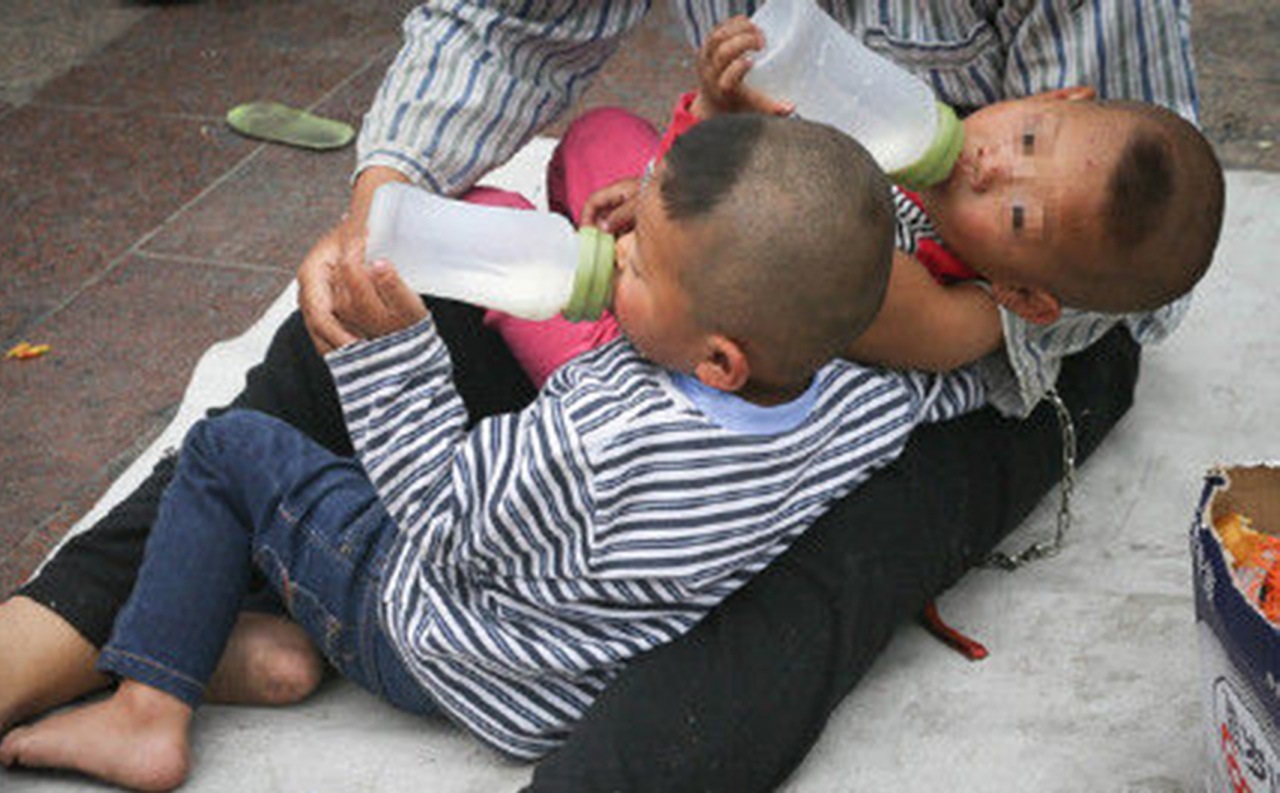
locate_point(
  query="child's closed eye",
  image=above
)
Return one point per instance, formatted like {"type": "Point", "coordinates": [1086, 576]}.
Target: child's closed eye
{"type": "Point", "coordinates": [1028, 141]}
{"type": "Point", "coordinates": [1036, 135]}
{"type": "Point", "coordinates": [1027, 218]}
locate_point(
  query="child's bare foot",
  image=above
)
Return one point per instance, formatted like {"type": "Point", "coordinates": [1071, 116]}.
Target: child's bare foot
{"type": "Point", "coordinates": [268, 660]}
{"type": "Point", "coordinates": [138, 738]}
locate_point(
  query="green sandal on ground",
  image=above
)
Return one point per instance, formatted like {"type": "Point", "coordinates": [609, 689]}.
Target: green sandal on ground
{"type": "Point", "coordinates": [279, 123]}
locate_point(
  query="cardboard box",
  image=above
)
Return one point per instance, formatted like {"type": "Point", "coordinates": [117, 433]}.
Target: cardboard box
{"type": "Point", "coordinates": [1239, 647]}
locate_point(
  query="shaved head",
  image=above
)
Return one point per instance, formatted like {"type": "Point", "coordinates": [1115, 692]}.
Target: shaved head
{"type": "Point", "coordinates": [798, 221]}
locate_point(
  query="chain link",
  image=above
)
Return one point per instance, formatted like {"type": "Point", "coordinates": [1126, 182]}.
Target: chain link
{"type": "Point", "coordinates": [1047, 548]}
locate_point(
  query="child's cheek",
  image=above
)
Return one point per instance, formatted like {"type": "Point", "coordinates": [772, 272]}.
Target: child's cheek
{"type": "Point", "coordinates": [980, 220]}
{"type": "Point", "coordinates": [622, 302]}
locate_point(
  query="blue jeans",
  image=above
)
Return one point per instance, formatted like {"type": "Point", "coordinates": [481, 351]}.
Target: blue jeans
{"type": "Point", "coordinates": [252, 490]}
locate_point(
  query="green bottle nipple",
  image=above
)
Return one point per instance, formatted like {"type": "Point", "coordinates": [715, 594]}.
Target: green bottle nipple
{"type": "Point", "coordinates": [936, 162]}
{"type": "Point", "coordinates": [593, 282]}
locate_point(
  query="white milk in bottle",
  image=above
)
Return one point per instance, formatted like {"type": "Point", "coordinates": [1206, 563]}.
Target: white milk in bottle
{"type": "Point", "coordinates": [831, 77]}
{"type": "Point", "coordinates": [529, 264]}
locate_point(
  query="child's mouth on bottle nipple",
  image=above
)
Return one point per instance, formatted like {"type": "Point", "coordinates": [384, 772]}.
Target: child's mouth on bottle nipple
{"type": "Point", "coordinates": [960, 175]}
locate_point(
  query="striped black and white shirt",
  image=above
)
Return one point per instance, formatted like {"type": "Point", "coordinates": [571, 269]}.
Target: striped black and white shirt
{"type": "Point", "coordinates": [474, 82]}
{"type": "Point", "coordinates": [540, 551]}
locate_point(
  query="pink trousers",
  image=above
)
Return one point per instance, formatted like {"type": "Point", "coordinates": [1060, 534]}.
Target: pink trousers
{"type": "Point", "coordinates": [599, 148]}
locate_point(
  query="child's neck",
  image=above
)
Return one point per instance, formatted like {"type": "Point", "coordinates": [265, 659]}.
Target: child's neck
{"type": "Point", "coordinates": [766, 394]}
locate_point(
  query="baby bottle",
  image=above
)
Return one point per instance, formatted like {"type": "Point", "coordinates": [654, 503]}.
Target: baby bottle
{"type": "Point", "coordinates": [831, 77]}
{"type": "Point", "coordinates": [529, 264]}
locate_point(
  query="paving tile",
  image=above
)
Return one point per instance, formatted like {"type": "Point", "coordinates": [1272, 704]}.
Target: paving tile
{"type": "Point", "coordinates": [80, 187]}
{"type": "Point", "coordinates": [41, 40]}
{"type": "Point", "coordinates": [252, 218]}
{"type": "Point", "coordinates": [272, 209]}
{"type": "Point", "coordinates": [204, 58]}
{"type": "Point", "coordinates": [23, 554]}
{"type": "Point", "coordinates": [267, 213]}
{"type": "Point", "coordinates": [1236, 38]}
{"type": "Point", "coordinates": [352, 100]}
{"type": "Point", "coordinates": [121, 356]}
{"type": "Point", "coordinates": [1242, 119]}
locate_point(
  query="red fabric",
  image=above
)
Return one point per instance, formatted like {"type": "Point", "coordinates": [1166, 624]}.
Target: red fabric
{"type": "Point", "coordinates": [682, 120]}
{"type": "Point", "coordinates": [942, 264]}
{"type": "Point", "coordinates": [969, 648]}
{"type": "Point", "coordinates": [599, 148]}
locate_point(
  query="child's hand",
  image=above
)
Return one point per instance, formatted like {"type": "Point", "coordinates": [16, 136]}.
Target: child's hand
{"type": "Point", "coordinates": [612, 208]}
{"type": "Point", "coordinates": [723, 63]}
{"type": "Point", "coordinates": [371, 300]}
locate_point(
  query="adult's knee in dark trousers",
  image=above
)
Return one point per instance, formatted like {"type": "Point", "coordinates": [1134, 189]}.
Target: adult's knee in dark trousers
{"type": "Point", "coordinates": [292, 383]}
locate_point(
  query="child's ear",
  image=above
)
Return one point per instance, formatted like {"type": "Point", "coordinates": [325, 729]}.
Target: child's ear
{"type": "Point", "coordinates": [725, 366]}
{"type": "Point", "coordinates": [1075, 93]}
{"type": "Point", "coordinates": [1034, 305]}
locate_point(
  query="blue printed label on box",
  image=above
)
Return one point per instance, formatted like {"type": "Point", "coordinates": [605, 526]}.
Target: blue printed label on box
{"type": "Point", "coordinates": [1240, 648]}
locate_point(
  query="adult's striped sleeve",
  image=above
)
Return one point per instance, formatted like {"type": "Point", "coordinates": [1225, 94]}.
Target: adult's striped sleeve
{"type": "Point", "coordinates": [1126, 50]}
{"type": "Point", "coordinates": [474, 81]}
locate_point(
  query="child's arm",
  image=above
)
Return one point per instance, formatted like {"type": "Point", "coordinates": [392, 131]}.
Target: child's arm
{"type": "Point", "coordinates": [925, 325]}
{"type": "Point", "coordinates": [723, 62]}
{"type": "Point", "coordinates": [395, 385]}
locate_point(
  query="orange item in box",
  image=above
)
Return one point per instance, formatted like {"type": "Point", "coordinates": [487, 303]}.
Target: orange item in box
{"type": "Point", "coordinates": [1255, 558]}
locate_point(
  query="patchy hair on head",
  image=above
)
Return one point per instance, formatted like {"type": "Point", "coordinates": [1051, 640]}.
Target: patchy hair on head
{"type": "Point", "coordinates": [1162, 215]}
{"type": "Point", "coordinates": [709, 166]}
{"type": "Point", "coordinates": [1140, 190]}
{"type": "Point", "coordinates": [798, 220]}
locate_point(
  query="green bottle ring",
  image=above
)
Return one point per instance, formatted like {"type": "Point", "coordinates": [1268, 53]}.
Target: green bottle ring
{"type": "Point", "coordinates": [938, 160]}
{"type": "Point", "coordinates": [593, 281]}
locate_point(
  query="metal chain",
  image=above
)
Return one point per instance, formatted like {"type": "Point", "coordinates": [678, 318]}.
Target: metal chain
{"type": "Point", "coordinates": [1045, 549]}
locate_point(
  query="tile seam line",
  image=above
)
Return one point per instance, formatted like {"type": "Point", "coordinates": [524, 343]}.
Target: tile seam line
{"type": "Point", "coordinates": [180, 258]}
{"type": "Point", "coordinates": [136, 250]}
{"type": "Point", "coordinates": [81, 107]}
{"type": "Point", "coordinates": [76, 107]}
{"type": "Point", "coordinates": [94, 488]}
{"type": "Point", "coordinates": [136, 247]}
{"type": "Point", "coordinates": [244, 162]}
{"type": "Point", "coordinates": [346, 81]}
